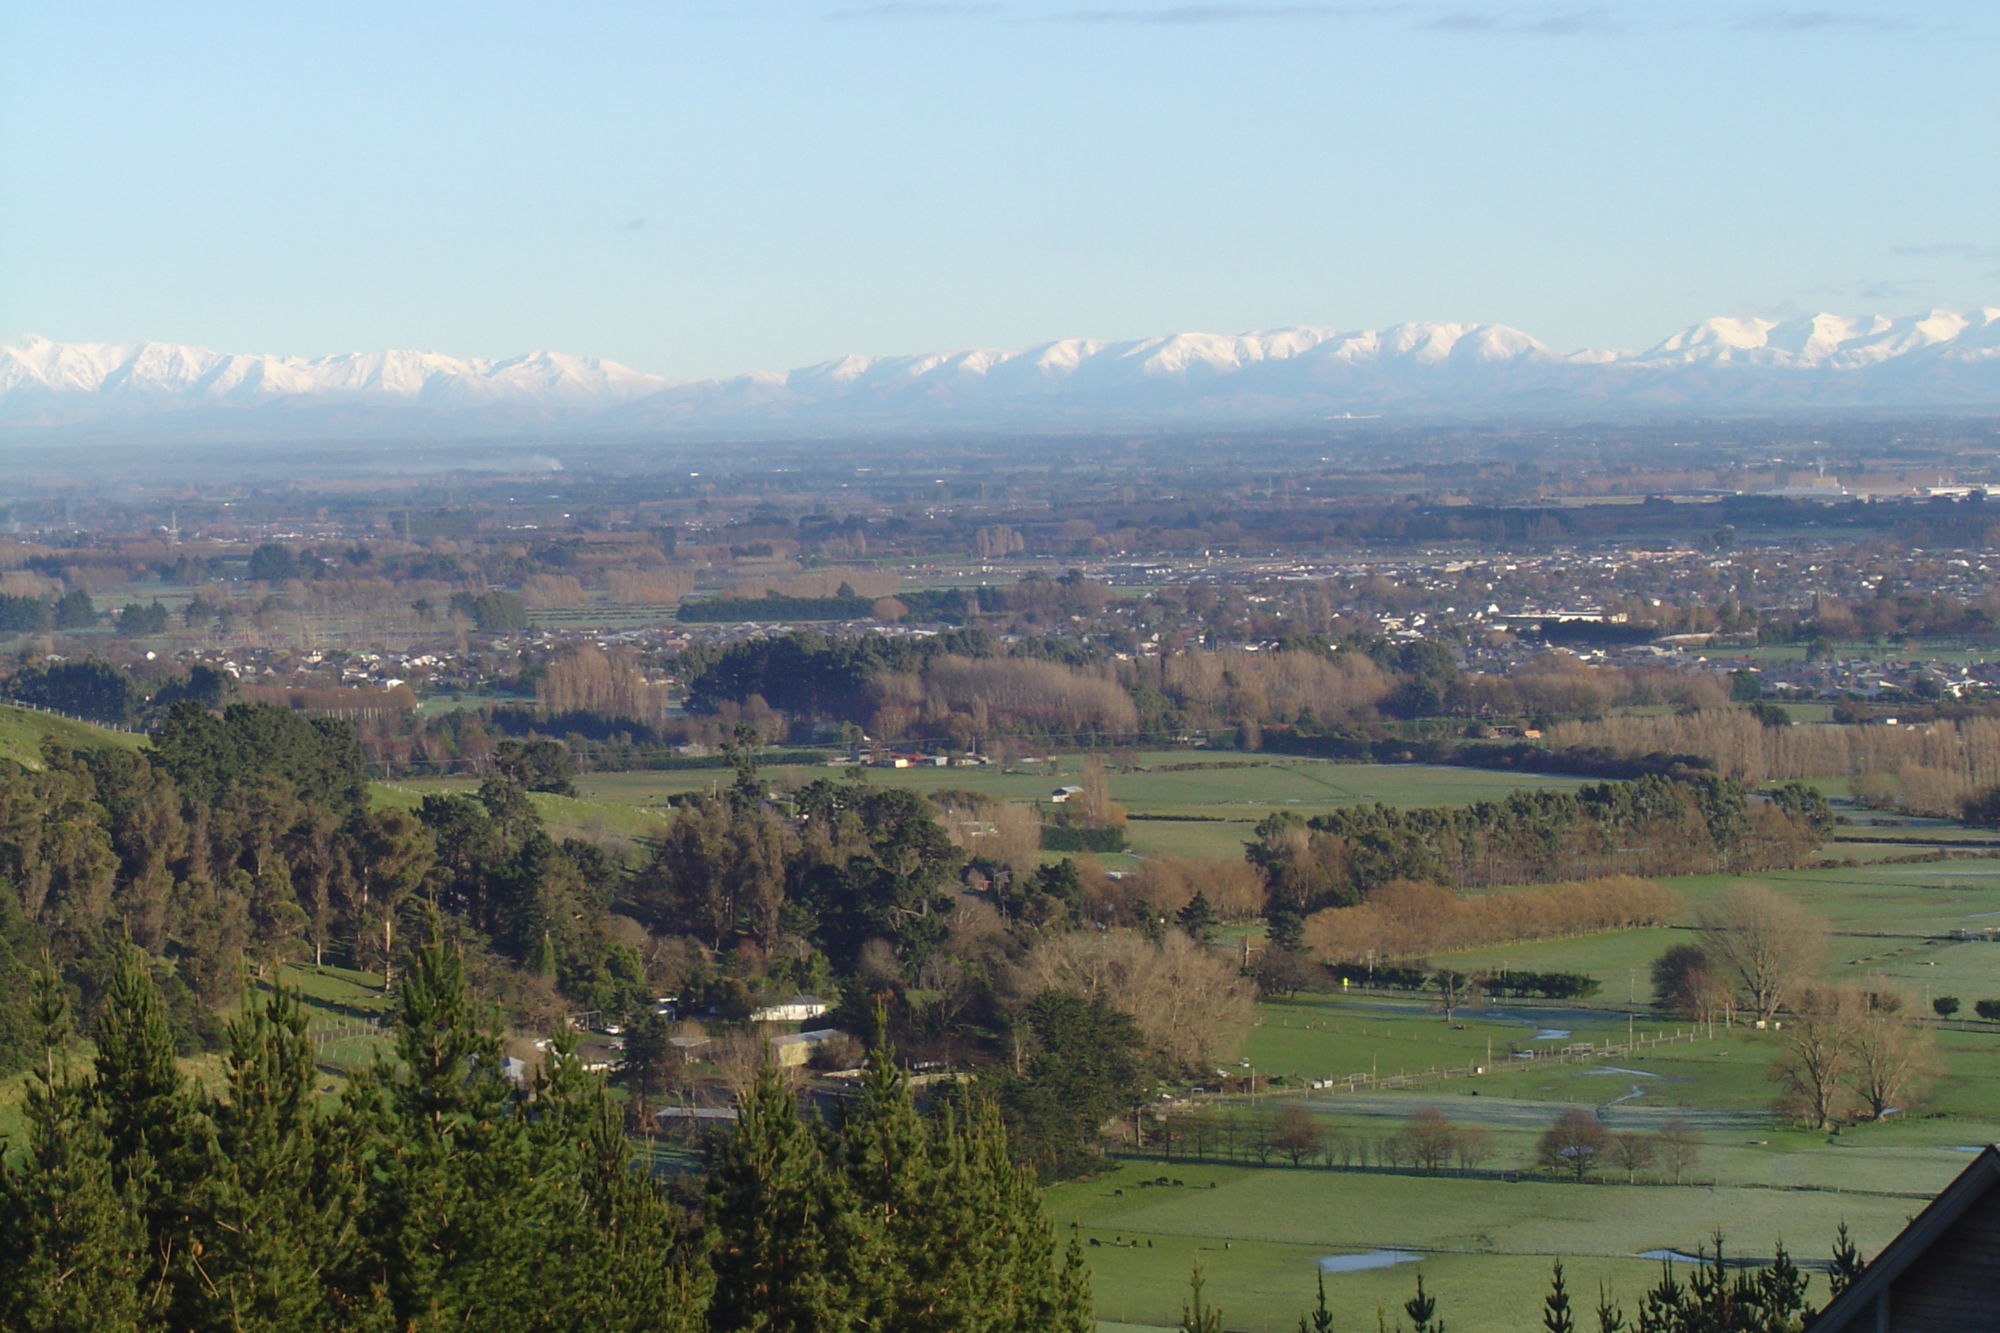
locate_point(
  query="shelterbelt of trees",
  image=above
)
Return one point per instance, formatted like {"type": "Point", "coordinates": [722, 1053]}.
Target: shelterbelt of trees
{"type": "Point", "coordinates": [436, 1195]}
{"type": "Point", "coordinates": [1653, 825]}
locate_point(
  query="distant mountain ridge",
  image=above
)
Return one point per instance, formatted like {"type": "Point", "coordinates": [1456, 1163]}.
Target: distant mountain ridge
{"type": "Point", "coordinates": [1938, 359]}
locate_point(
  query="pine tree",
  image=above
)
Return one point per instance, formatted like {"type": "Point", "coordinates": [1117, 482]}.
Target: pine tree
{"type": "Point", "coordinates": [910, 1202]}
{"type": "Point", "coordinates": [1197, 1315]}
{"type": "Point", "coordinates": [1781, 1290]}
{"type": "Point", "coordinates": [1610, 1318]}
{"type": "Point", "coordinates": [456, 1212]}
{"type": "Point", "coordinates": [618, 1255]}
{"type": "Point", "coordinates": [1072, 1310]}
{"type": "Point", "coordinates": [1663, 1308]}
{"type": "Point", "coordinates": [778, 1211]}
{"type": "Point", "coordinates": [160, 1145]}
{"type": "Point", "coordinates": [1422, 1310]}
{"type": "Point", "coordinates": [1847, 1263]}
{"type": "Point", "coordinates": [76, 1255]}
{"type": "Point", "coordinates": [1319, 1319]}
{"type": "Point", "coordinates": [274, 1216]}
{"type": "Point", "coordinates": [1030, 1291]}
{"type": "Point", "coordinates": [1556, 1317]}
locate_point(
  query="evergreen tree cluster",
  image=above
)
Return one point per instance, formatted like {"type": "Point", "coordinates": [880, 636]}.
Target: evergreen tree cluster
{"type": "Point", "coordinates": [436, 1194]}
{"type": "Point", "coordinates": [1653, 825]}
{"type": "Point", "coordinates": [883, 1219]}
{"type": "Point", "coordinates": [243, 838]}
{"type": "Point", "coordinates": [858, 864]}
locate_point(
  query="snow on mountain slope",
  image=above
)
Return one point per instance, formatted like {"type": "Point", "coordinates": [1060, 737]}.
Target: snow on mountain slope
{"type": "Point", "coordinates": [1937, 358]}
{"type": "Point", "coordinates": [172, 374]}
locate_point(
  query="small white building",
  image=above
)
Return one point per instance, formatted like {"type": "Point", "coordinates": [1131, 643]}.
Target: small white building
{"type": "Point", "coordinates": [798, 1009]}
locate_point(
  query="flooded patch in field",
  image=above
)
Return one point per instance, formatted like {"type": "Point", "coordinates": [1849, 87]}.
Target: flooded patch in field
{"type": "Point", "coordinates": [1550, 1034]}
{"type": "Point", "coordinates": [1671, 1256]}
{"type": "Point", "coordinates": [1355, 1263]}
{"type": "Point", "coordinates": [1614, 1069]}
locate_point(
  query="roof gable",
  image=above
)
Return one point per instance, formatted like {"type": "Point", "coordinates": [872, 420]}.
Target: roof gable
{"type": "Point", "coordinates": [1855, 1310]}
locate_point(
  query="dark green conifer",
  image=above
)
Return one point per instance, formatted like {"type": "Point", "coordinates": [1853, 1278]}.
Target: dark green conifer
{"type": "Point", "coordinates": [918, 1224]}
{"type": "Point", "coordinates": [1847, 1262]}
{"type": "Point", "coordinates": [275, 1218]}
{"type": "Point", "coordinates": [455, 1209]}
{"type": "Point", "coordinates": [1319, 1319]}
{"type": "Point", "coordinates": [1556, 1316]}
{"type": "Point", "coordinates": [618, 1255]}
{"type": "Point", "coordinates": [1422, 1310]}
{"type": "Point", "coordinates": [778, 1211]}
{"type": "Point", "coordinates": [1610, 1318]}
{"type": "Point", "coordinates": [75, 1256]}
{"type": "Point", "coordinates": [1073, 1310]}
{"type": "Point", "coordinates": [1197, 1315]}
{"type": "Point", "coordinates": [158, 1141]}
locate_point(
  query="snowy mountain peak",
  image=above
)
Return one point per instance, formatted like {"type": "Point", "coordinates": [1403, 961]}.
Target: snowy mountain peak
{"type": "Point", "coordinates": [1936, 358]}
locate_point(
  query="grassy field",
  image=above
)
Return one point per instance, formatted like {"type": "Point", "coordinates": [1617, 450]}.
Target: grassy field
{"type": "Point", "coordinates": [1206, 813]}
{"type": "Point", "coordinates": [1874, 652]}
{"type": "Point", "coordinates": [1486, 1244]}
{"type": "Point", "coordinates": [1885, 919]}
{"type": "Point", "coordinates": [597, 818]}
{"type": "Point", "coordinates": [1258, 1234]}
{"type": "Point", "coordinates": [22, 731]}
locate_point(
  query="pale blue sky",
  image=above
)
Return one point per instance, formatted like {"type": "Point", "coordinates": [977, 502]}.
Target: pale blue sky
{"type": "Point", "coordinates": [703, 190]}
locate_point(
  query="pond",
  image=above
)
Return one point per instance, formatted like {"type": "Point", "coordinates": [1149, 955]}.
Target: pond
{"type": "Point", "coordinates": [1355, 1263]}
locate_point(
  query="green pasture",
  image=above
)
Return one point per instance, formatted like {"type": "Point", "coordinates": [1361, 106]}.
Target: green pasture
{"type": "Point", "coordinates": [1249, 792]}
{"type": "Point", "coordinates": [22, 731]}
{"type": "Point", "coordinates": [1885, 918]}
{"type": "Point", "coordinates": [593, 817]}
{"type": "Point", "coordinates": [1873, 652]}
{"type": "Point", "coordinates": [1258, 1233]}
{"type": "Point", "coordinates": [1205, 813]}
{"type": "Point", "coordinates": [1333, 1036]}
{"type": "Point", "coordinates": [1620, 959]}
{"type": "Point", "coordinates": [1198, 840]}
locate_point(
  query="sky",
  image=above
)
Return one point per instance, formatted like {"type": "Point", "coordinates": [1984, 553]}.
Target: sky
{"type": "Point", "coordinates": [701, 190]}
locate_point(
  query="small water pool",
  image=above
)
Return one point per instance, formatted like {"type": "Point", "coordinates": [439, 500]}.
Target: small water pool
{"type": "Point", "coordinates": [1355, 1263]}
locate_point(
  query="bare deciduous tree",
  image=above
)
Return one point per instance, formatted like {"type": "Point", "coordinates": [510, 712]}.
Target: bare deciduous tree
{"type": "Point", "coordinates": [1766, 944]}
{"type": "Point", "coordinates": [1297, 1133]}
{"type": "Point", "coordinates": [1634, 1152]}
{"type": "Point", "coordinates": [1819, 1052]}
{"type": "Point", "coordinates": [1575, 1143]}
{"type": "Point", "coordinates": [1894, 1054]}
{"type": "Point", "coordinates": [1431, 1138]}
{"type": "Point", "coordinates": [1680, 1146]}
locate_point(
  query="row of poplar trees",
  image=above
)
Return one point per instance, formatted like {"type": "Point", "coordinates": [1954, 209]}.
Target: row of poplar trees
{"type": "Point", "coordinates": [433, 1194]}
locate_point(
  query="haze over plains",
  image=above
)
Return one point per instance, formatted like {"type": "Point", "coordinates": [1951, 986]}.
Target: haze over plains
{"type": "Point", "coordinates": [699, 195]}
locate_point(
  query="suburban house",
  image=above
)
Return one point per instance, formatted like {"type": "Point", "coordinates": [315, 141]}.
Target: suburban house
{"type": "Point", "coordinates": [798, 1009]}
{"type": "Point", "coordinates": [1942, 1274]}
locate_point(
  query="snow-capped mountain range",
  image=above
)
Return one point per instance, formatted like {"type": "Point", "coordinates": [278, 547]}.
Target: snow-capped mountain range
{"type": "Point", "coordinates": [1940, 359]}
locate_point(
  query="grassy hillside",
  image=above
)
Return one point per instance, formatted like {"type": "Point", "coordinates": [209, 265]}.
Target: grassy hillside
{"type": "Point", "coordinates": [23, 729]}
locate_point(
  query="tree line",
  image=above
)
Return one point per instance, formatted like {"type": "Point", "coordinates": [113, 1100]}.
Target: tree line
{"type": "Point", "coordinates": [435, 1193]}
{"type": "Point", "coordinates": [1653, 825]}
